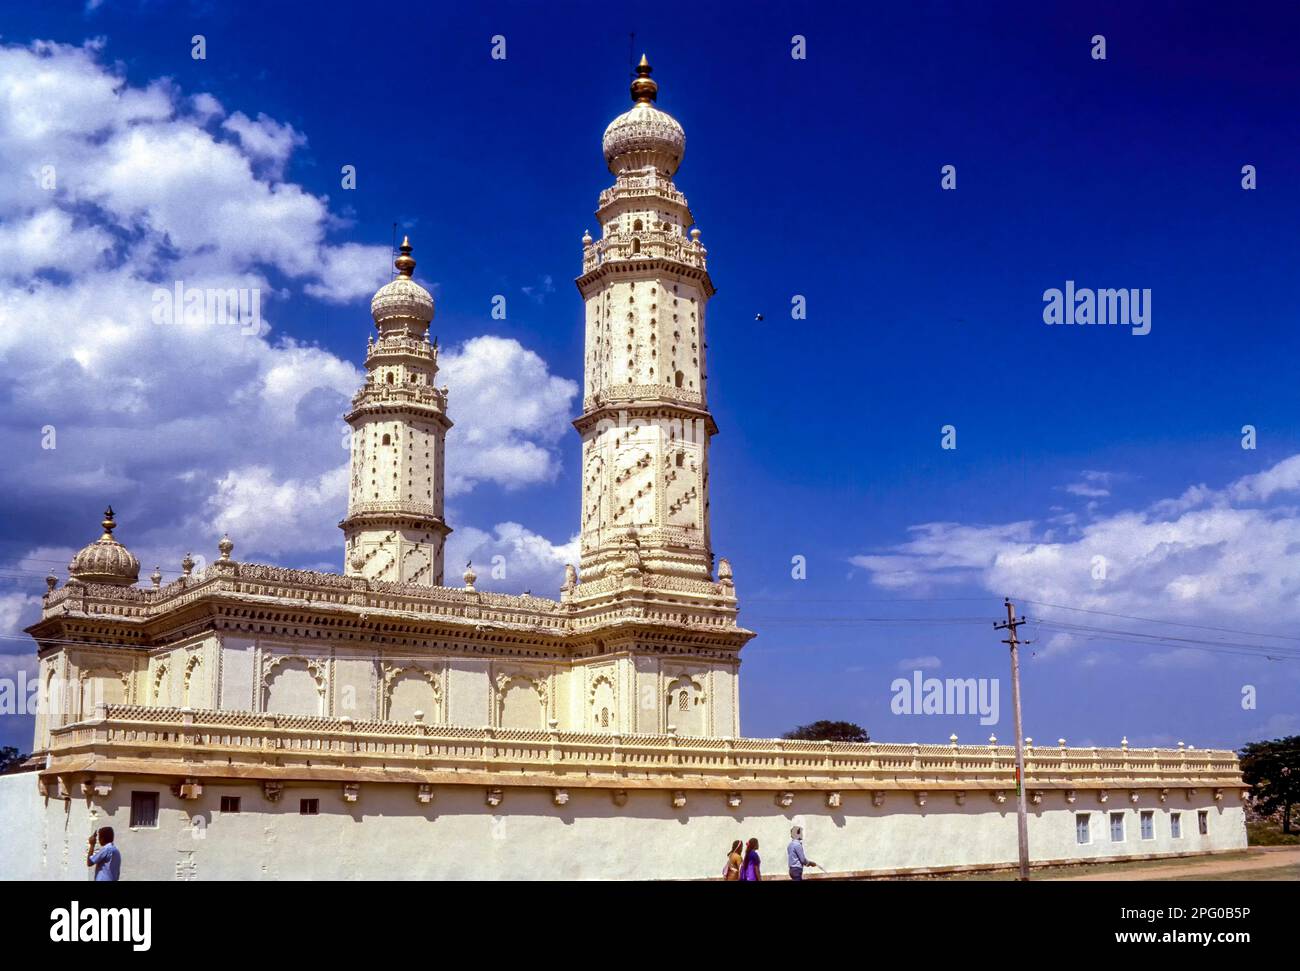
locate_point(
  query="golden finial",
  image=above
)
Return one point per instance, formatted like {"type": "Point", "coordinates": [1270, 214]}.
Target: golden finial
{"type": "Point", "coordinates": [108, 523]}
{"type": "Point", "coordinates": [405, 265]}
{"type": "Point", "coordinates": [643, 89]}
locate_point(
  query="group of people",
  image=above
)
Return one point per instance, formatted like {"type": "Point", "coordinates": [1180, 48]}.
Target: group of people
{"type": "Point", "coordinates": [744, 863]}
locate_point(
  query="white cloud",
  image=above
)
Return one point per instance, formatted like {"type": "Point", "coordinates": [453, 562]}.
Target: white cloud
{"type": "Point", "coordinates": [509, 414]}
{"type": "Point", "coordinates": [1229, 554]}
{"type": "Point", "coordinates": [265, 139]}
{"type": "Point", "coordinates": [926, 663]}
{"type": "Point", "coordinates": [527, 561]}
{"type": "Point", "coordinates": [191, 430]}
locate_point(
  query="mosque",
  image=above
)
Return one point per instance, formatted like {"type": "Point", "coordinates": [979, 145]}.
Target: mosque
{"type": "Point", "coordinates": [224, 721]}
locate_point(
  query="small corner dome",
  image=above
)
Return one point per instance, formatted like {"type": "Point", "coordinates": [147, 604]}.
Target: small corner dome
{"type": "Point", "coordinates": [643, 135]}
{"type": "Point", "coordinates": [105, 560]}
{"type": "Point", "coordinates": [403, 298]}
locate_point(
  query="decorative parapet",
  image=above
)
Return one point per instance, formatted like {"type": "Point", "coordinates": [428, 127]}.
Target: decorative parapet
{"type": "Point", "coordinates": [206, 744]}
{"type": "Point", "coordinates": [711, 607]}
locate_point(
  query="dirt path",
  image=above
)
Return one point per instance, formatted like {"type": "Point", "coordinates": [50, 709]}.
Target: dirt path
{"type": "Point", "coordinates": [1269, 857]}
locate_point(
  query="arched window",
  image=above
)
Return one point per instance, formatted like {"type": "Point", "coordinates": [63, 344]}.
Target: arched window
{"type": "Point", "coordinates": [389, 377]}
{"type": "Point", "coordinates": [636, 226]}
{"type": "Point", "coordinates": [683, 702]}
{"type": "Point", "coordinates": [681, 459]}
{"type": "Point", "coordinates": [636, 246]}
{"type": "Point", "coordinates": [678, 379]}
{"type": "Point", "coordinates": [604, 718]}
{"type": "Point", "coordinates": [387, 440]}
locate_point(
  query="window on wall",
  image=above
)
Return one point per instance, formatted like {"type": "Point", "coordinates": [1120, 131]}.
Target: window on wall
{"type": "Point", "coordinates": [683, 701]}
{"type": "Point", "coordinates": [387, 440]}
{"type": "Point", "coordinates": [1176, 825]}
{"type": "Point", "coordinates": [144, 810]}
{"type": "Point", "coordinates": [604, 718]}
{"type": "Point", "coordinates": [1148, 824]}
{"type": "Point", "coordinates": [1117, 827]}
{"type": "Point", "coordinates": [309, 807]}
{"type": "Point", "coordinates": [1203, 822]}
{"type": "Point", "coordinates": [230, 804]}
{"type": "Point", "coordinates": [1081, 835]}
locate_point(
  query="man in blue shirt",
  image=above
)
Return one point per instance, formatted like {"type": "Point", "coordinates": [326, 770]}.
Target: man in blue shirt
{"type": "Point", "coordinates": [107, 860]}
{"type": "Point", "coordinates": [794, 855]}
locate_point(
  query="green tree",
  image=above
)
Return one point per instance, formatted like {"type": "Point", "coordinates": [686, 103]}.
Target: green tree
{"type": "Point", "coordinates": [827, 731]}
{"type": "Point", "coordinates": [1272, 770]}
{"type": "Point", "coordinates": [10, 759]}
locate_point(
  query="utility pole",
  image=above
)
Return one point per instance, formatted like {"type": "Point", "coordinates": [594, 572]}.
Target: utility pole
{"type": "Point", "coordinates": [1022, 823]}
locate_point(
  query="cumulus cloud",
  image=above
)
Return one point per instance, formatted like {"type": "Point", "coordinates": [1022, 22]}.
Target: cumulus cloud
{"type": "Point", "coordinates": [121, 192]}
{"type": "Point", "coordinates": [1230, 554]}
{"type": "Point", "coordinates": [509, 411]}
{"type": "Point", "coordinates": [509, 558]}
{"type": "Point", "coordinates": [265, 139]}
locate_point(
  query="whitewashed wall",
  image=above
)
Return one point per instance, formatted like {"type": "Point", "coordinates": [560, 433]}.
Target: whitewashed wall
{"type": "Point", "coordinates": [387, 833]}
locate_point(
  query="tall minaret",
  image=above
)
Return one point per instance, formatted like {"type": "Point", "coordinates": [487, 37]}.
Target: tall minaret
{"type": "Point", "coordinates": [645, 425]}
{"type": "Point", "coordinates": [394, 527]}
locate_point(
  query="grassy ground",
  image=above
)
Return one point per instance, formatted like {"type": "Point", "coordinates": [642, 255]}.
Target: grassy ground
{"type": "Point", "coordinates": [1055, 872]}
{"type": "Point", "coordinates": [1290, 873]}
{"type": "Point", "coordinates": [1270, 834]}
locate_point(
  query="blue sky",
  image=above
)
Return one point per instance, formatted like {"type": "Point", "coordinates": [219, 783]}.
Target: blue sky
{"type": "Point", "coordinates": [817, 177]}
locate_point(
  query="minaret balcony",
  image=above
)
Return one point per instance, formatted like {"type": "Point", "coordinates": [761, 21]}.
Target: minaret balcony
{"type": "Point", "coordinates": [387, 347]}
{"type": "Point", "coordinates": [647, 244]}
{"type": "Point", "coordinates": [642, 188]}
{"type": "Point", "coordinates": [384, 396]}
{"type": "Point", "coordinates": [615, 393]}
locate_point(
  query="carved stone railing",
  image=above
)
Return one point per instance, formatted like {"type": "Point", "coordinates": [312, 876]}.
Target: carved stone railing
{"type": "Point", "coordinates": [712, 605]}
{"type": "Point", "coordinates": [373, 394]}
{"type": "Point", "coordinates": [616, 393]}
{"type": "Point", "coordinates": [132, 738]}
{"type": "Point", "coordinates": [641, 187]}
{"type": "Point", "coordinates": [394, 505]}
{"type": "Point", "coordinates": [649, 243]}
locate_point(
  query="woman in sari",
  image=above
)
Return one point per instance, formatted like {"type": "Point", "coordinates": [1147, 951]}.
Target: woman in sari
{"type": "Point", "coordinates": [752, 870]}
{"type": "Point", "coordinates": [735, 860]}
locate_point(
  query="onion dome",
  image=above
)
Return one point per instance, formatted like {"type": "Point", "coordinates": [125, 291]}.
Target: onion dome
{"type": "Point", "coordinates": [105, 560]}
{"type": "Point", "coordinates": [644, 136]}
{"type": "Point", "coordinates": [402, 300]}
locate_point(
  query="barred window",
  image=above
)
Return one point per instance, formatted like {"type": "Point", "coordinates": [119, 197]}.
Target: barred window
{"type": "Point", "coordinates": [144, 810]}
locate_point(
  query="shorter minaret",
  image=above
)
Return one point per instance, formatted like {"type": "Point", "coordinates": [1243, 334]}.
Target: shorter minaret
{"type": "Point", "coordinates": [394, 527]}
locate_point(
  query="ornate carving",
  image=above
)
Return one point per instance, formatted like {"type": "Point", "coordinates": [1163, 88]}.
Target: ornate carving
{"type": "Point", "coordinates": [877, 798]}
{"type": "Point", "coordinates": [785, 799]}
{"type": "Point", "coordinates": [560, 797]}
{"type": "Point", "coordinates": [733, 799]}
{"type": "Point", "coordinates": [316, 666]}
{"type": "Point", "coordinates": [351, 791]}
{"type": "Point", "coordinates": [833, 800]}
{"type": "Point", "coordinates": [273, 790]}
{"type": "Point", "coordinates": [494, 797]}
{"type": "Point", "coordinates": [96, 785]}
{"type": "Point", "coordinates": [922, 797]}
{"type": "Point", "coordinates": [424, 793]}
{"type": "Point", "coordinates": [679, 799]}
{"type": "Point", "coordinates": [619, 796]}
